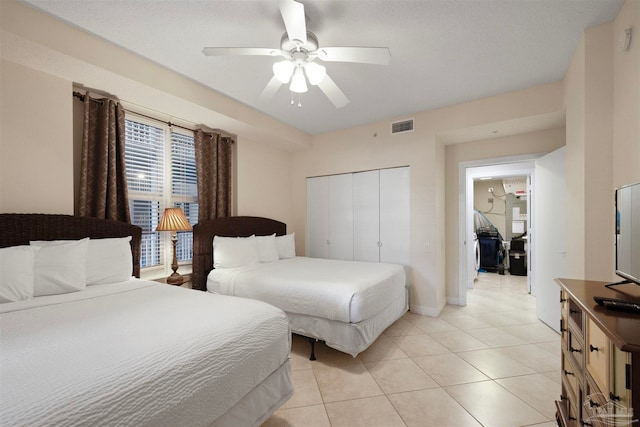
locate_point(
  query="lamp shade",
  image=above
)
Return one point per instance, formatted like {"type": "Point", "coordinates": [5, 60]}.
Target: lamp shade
{"type": "Point", "coordinates": [173, 219]}
{"type": "Point", "coordinates": [283, 71]}
{"type": "Point", "coordinates": [315, 72]}
{"type": "Point", "coordinates": [298, 82]}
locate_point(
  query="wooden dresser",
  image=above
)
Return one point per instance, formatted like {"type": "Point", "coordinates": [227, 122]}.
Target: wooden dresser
{"type": "Point", "coordinates": [600, 356]}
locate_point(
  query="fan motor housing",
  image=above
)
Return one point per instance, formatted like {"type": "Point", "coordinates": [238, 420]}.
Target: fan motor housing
{"type": "Point", "coordinates": [291, 46]}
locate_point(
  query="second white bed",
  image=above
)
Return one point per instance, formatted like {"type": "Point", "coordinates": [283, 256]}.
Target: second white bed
{"type": "Point", "coordinates": [347, 304]}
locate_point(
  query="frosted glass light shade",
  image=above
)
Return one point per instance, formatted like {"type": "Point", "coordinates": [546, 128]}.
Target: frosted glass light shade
{"type": "Point", "coordinates": [315, 72]}
{"type": "Point", "coordinates": [283, 71]}
{"type": "Point", "coordinates": [298, 82]}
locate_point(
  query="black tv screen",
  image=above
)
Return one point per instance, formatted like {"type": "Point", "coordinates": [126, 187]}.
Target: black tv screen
{"type": "Point", "coordinates": [628, 232]}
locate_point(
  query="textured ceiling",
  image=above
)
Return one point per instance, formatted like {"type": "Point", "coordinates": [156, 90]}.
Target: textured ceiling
{"type": "Point", "coordinates": [443, 52]}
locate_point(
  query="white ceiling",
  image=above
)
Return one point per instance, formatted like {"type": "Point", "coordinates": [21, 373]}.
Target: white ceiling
{"type": "Point", "coordinates": [443, 52]}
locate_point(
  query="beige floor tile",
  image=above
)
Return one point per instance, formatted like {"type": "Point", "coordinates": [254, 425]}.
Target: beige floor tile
{"type": "Point", "coordinates": [419, 345]}
{"type": "Point", "coordinates": [494, 406]}
{"type": "Point", "coordinates": [449, 369]}
{"type": "Point", "coordinates": [496, 318]}
{"type": "Point", "coordinates": [347, 382]}
{"type": "Point", "coordinates": [494, 364]}
{"type": "Point", "coordinates": [552, 347]}
{"type": "Point", "coordinates": [535, 391]}
{"type": "Point", "coordinates": [308, 416]}
{"type": "Point", "coordinates": [369, 412]}
{"type": "Point", "coordinates": [433, 407]}
{"type": "Point", "coordinates": [394, 376]}
{"type": "Point", "coordinates": [429, 324]}
{"type": "Point", "coordinates": [461, 320]}
{"type": "Point", "coordinates": [382, 349]}
{"type": "Point", "coordinates": [305, 390]}
{"type": "Point", "coordinates": [401, 327]}
{"type": "Point", "coordinates": [534, 333]}
{"type": "Point", "coordinates": [533, 356]}
{"type": "Point", "coordinates": [459, 341]}
{"type": "Point", "coordinates": [554, 376]}
{"type": "Point", "coordinates": [495, 337]}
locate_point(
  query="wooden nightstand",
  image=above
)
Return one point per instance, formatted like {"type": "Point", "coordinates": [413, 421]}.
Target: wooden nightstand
{"type": "Point", "coordinates": [185, 284]}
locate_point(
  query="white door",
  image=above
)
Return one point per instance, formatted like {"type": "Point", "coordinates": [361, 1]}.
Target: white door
{"type": "Point", "coordinates": [318, 217]}
{"type": "Point", "coordinates": [550, 234]}
{"type": "Point", "coordinates": [395, 227]}
{"type": "Point", "coordinates": [341, 216]}
{"type": "Point", "coordinates": [366, 216]}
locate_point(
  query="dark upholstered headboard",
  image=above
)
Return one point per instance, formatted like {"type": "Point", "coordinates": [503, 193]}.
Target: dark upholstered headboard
{"type": "Point", "coordinates": [233, 226]}
{"type": "Point", "coordinates": [19, 229]}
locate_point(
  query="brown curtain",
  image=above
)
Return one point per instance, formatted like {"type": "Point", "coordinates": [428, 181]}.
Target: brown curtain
{"type": "Point", "coordinates": [103, 180]}
{"type": "Point", "coordinates": [213, 171]}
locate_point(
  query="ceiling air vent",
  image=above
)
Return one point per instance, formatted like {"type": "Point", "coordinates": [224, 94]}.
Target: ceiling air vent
{"type": "Point", "coordinates": [402, 126]}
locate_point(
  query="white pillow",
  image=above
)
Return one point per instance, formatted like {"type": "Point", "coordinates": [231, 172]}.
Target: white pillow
{"type": "Point", "coordinates": [234, 251]}
{"type": "Point", "coordinates": [267, 248]}
{"type": "Point", "coordinates": [108, 260]}
{"type": "Point", "coordinates": [16, 279]}
{"type": "Point", "coordinates": [60, 267]}
{"type": "Point", "coordinates": [286, 246]}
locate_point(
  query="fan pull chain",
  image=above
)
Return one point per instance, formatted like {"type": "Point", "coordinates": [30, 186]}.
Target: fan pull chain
{"type": "Point", "coordinates": [299, 103]}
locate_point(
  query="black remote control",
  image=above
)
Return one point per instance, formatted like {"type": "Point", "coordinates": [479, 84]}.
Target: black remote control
{"type": "Point", "coordinates": [618, 304]}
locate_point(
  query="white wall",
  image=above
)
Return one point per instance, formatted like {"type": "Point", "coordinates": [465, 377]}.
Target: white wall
{"type": "Point", "coordinates": [481, 197]}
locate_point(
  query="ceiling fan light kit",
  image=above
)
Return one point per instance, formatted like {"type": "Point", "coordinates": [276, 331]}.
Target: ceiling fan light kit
{"type": "Point", "coordinates": [300, 48]}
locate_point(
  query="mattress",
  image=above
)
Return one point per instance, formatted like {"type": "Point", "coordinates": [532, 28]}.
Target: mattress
{"type": "Point", "coordinates": [344, 291]}
{"type": "Point", "coordinates": [141, 353]}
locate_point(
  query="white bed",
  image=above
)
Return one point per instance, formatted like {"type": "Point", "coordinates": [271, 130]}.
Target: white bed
{"type": "Point", "coordinates": [141, 353]}
{"type": "Point", "coordinates": [347, 304]}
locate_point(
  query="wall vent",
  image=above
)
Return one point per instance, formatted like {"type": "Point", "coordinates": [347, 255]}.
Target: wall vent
{"type": "Point", "coordinates": [402, 126]}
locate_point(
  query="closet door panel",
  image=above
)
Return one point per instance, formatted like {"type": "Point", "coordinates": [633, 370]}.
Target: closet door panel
{"type": "Point", "coordinates": [366, 216]}
{"type": "Point", "coordinates": [395, 215]}
{"type": "Point", "coordinates": [318, 217]}
{"type": "Point", "coordinates": [341, 216]}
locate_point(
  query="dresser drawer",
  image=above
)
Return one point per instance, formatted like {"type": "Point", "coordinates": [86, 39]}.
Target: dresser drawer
{"type": "Point", "coordinates": [570, 378]}
{"type": "Point", "coordinates": [576, 350]}
{"type": "Point", "coordinates": [597, 356]}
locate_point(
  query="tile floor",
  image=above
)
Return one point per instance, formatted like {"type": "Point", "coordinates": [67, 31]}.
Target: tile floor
{"type": "Point", "coordinates": [491, 363]}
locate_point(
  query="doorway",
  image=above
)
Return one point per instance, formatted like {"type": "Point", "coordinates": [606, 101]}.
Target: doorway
{"type": "Point", "coordinates": [521, 166]}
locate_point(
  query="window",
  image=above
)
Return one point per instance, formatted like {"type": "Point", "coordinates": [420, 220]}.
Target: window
{"type": "Point", "coordinates": [161, 172]}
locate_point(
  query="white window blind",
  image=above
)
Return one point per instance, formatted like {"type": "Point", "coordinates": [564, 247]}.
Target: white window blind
{"type": "Point", "coordinates": [161, 173]}
{"type": "Point", "coordinates": [184, 192]}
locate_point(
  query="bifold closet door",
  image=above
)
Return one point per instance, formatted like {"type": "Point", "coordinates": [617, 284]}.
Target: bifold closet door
{"type": "Point", "coordinates": [318, 217]}
{"type": "Point", "coordinates": [340, 238]}
{"type": "Point", "coordinates": [395, 216]}
{"type": "Point", "coordinates": [366, 216]}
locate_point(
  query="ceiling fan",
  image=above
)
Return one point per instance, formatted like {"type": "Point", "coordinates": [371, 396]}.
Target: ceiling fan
{"type": "Point", "coordinates": [300, 49]}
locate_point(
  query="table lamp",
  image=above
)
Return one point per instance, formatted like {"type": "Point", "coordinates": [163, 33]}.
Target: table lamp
{"type": "Point", "coordinates": [174, 220]}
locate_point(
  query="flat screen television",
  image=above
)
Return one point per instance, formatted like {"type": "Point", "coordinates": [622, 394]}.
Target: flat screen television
{"type": "Point", "coordinates": [628, 233]}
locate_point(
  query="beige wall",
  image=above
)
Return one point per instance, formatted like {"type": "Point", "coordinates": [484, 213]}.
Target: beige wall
{"type": "Point", "coordinates": [434, 191]}
{"type": "Point", "coordinates": [626, 99]}
{"type": "Point", "coordinates": [600, 96]}
{"type": "Point", "coordinates": [42, 60]}
{"type": "Point", "coordinates": [494, 148]}
{"type": "Point", "coordinates": [36, 151]}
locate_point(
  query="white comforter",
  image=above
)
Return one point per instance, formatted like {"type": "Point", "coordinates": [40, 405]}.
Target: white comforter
{"type": "Point", "coordinates": [345, 291]}
{"type": "Point", "coordinates": [136, 353]}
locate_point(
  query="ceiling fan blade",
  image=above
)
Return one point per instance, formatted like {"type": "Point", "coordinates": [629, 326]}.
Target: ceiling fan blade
{"type": "Point", "coordinates": [366, 55]}
{"type": "Point", "coordinates": [271, 89]}
{"type": "Point", "coordinates": [227, 51]}
{"type": "Point", "coordinates": [333, 92]}
{"type": "Point", "coordinates": [294, 20]}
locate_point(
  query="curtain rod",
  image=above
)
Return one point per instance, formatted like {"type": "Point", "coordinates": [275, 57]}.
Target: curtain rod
{"type": "Point", "coordinates": [224, 134]}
